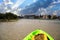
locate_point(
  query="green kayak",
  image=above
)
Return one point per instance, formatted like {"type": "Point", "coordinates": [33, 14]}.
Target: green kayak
{"type": "Point", "coordinates": [36, 32]}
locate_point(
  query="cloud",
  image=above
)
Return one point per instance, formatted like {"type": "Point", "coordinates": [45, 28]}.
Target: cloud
{"type": "Point", "coordinates": [8, 10]}
{"type": "Point", "coordinates": [43, 11]}
{"type": "Point", "coordinates": [7, 2]}
{"type": "Point", "coordinates": [2, 7]}
{"type": "Point", "coordinates": [29, 9]}
{"type": "Point", "coordinates": [55, 13]}
{"type": "Point", "coordinates": [34, 0]}
{"type": "Point", "coordinates": [17, 4]}
{"type": "Point", "coordinates": [57, 1]}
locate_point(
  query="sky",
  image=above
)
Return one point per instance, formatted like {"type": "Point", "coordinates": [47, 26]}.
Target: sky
{"type": "Point", "coordinates": [30, 6]}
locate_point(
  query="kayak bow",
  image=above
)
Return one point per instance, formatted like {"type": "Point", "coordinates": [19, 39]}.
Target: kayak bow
{"type": "Point", "coordinates": [36, 32]}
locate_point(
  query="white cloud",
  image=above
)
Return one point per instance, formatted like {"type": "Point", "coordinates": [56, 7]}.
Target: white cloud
{"type": "Point", "coordinates": [44, 11]}
{"type": "Point", "coordinates": [8, 10]}
{"type": "Point", "coordinates": [8, 2]}
{"type": "Point", "coordinates": [28, 4]}
{"type": "Point", "coordinates": [19, 9]}
{"type": "Point", "coordinates": [2, 7]}
{"type": "Point", "coordinates": [15, 12]}
{"type": "Point", "coordinates": [17, 4]}
{"type": "Point", "coordinates": [34, 0]}
{"type": "Point", "coordinates": [51, 6]}
{"type": "Point", "coordinates": [55, 13]}
{"type": "Point", "coordinates": [56, 1]}
{"type": "Point", "coordinates": [5, 8]}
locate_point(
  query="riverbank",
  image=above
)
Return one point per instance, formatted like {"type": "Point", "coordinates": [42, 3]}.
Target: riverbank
{"type": "Point", "coordinates": [13, 20]}
{"type": "Point", "coordinates": [6, 20]}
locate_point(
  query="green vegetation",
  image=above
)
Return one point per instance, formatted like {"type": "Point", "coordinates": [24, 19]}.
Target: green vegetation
{"type": "Point", "coordinates": [8, 16]}
{"type": "Point", "coordinates": [43, 17]}
{"type": "Point", "coordinates": [54, 17]}
{"type": "Point", "coordinates": [12, 17]}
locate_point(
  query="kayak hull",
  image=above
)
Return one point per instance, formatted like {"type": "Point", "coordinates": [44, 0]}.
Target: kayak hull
{"type": "Point", "coordinates": [36, 32]}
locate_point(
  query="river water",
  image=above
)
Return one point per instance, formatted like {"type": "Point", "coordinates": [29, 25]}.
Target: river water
{"type": "Point", "coordinates": [21, 28]}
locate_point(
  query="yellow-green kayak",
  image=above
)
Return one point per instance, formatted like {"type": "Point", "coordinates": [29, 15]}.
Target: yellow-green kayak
{"type": "Point", "coordinates": [36, 32]}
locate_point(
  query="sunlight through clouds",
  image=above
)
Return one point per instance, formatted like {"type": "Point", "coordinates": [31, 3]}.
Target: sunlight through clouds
{"type": "Point", "coordinates": [17, 4]}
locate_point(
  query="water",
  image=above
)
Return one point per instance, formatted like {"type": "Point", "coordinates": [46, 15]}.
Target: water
{"type": "Point", "coordinates": [19, 29]}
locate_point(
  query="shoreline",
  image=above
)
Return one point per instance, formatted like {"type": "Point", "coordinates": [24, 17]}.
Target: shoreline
{"type": "Point", "coordinates": [13, 20]}
{"type": "Point", "coordinates": [6, 20]}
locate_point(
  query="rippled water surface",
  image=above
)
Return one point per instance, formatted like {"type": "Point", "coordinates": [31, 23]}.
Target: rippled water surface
{"type": "Point", "coordinates": [19, 29]}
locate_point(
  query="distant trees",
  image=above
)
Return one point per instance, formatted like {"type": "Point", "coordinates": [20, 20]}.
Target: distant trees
{"type": "Point", "coordinates": [59, 17]}
{"type": "Point", "coordinates": [1, 16]}
{"type": "Point", "coordinates": [54, 17]}
{"type": "Point", "coordinates": [11, 16]}
{"type": "Point", "coordinates": [49, 16]}
{"type": "Point", "coordinates": [41, 17]}
{"type": "Point", "coordinates": [8, 16]}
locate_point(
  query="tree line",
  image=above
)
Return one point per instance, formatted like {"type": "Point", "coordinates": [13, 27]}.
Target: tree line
{"type": "Point", "coordinates": [8, 16]}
